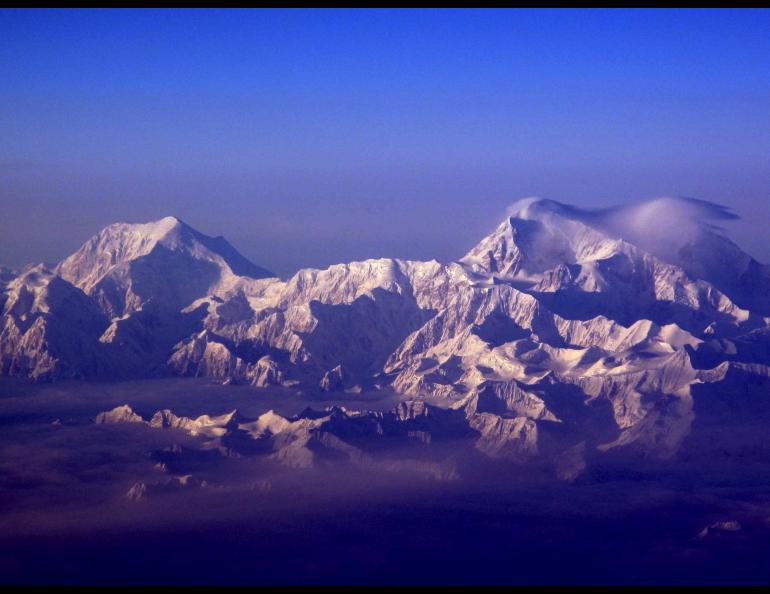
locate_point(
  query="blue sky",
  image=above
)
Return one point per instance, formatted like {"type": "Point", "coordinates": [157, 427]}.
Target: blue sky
{"type": "Point", "coordinates": [311, 137]}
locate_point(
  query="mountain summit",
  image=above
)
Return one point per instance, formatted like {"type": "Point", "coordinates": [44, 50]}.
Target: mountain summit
{"type": "Point", "coordinates": [125, 265]}
{"type": "Point", "coordinates": [545, 243]}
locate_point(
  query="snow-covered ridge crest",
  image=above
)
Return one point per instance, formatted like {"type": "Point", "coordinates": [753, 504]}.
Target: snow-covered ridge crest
{"type": "Point", "coordinates": [545, 242]}
{"type": "Point", "coordinates": [617, 324]}
{"type": "Point", "coordinates": [127, 265]}
{"type": "Point", "coordinates": [661, 226]}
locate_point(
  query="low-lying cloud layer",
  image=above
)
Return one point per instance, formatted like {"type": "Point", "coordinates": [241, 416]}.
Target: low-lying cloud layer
{"type": "Point", "coordinates": [127, 503]}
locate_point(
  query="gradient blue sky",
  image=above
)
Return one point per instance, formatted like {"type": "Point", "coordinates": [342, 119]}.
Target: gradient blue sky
{"type": "Point", "coordinates": [312, 137]}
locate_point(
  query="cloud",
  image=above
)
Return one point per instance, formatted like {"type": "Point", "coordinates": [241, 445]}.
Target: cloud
{"type": "Point", "coordinates": [660, 225]}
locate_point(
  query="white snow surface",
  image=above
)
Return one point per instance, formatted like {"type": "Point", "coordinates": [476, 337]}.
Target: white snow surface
{"type": "Point", "coordinates": [628, 314]}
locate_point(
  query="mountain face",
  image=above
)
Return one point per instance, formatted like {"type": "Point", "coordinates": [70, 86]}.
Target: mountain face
{"type": "Point", "coordinates": [563, 334]}
{"type": "Point", "coordinates": [49, 329]}
{"type": "Point", "coordinates": [125, 266]}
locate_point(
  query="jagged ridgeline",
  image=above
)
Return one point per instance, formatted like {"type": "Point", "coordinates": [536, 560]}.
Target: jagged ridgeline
{"type": "Point", "coordinates": [624, 326]}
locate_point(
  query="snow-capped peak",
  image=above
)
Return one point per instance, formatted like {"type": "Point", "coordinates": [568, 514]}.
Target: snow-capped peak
{"type": "Point", "coordinates": [127, 264]}
{"type": "Point", "coordinates": [538, 235]}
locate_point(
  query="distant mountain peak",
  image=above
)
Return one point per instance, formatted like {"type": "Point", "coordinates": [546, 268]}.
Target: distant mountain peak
{"type": "Point", "coordinates": [535, 236]}
{"type": "Point", "coordinates": [126, 262]}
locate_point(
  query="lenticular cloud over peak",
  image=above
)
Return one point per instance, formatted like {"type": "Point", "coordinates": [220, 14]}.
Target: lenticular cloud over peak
{"type": "Point", "coordinates": [648, 216]}
{"type": "Point", "coordinates": [662, 226]}
{"type": "Point", "coordinates": [671, 219]}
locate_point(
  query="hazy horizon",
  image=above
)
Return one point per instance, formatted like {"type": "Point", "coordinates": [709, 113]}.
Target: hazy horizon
{"type": "Point", "coordinates": [309, 138]}
{"type": "Point", "coordinates": [727, 222]}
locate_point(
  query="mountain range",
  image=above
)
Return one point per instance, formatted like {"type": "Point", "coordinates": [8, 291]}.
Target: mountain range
{"type": "Point", "coordinates": [565, 333]}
